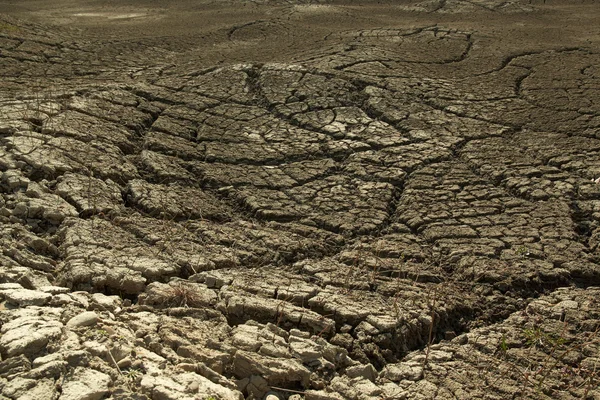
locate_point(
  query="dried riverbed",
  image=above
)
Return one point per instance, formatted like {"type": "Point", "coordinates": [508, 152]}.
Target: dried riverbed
{"type": "Point", "coordinates": [321, 201]}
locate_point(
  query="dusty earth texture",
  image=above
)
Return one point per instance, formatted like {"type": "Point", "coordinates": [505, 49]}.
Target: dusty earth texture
{"type": "Point", "coordinates": [299, 200]}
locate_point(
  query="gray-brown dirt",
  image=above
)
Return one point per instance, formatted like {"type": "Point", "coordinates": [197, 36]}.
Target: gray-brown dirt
{"type": "Point", "coordinates": [299, 199]}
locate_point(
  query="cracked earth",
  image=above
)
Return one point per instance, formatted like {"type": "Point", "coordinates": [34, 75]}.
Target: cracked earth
{"type": "Point", "coordinates": [300, 200]}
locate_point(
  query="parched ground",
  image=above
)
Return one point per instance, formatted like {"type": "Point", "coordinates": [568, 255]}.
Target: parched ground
{"type": "Point", "coordinates": [299, 200]}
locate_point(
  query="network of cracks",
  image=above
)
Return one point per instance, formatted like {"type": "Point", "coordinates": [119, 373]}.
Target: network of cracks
{"type": "Point", "coordinates": [396, 215]}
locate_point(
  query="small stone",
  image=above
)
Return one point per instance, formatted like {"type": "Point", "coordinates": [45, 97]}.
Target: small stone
{"type": "Point", "coordinates": [86, 318]}
{"type": "Point", "coordinates": [124, 363]}
{"type": "Point", "coordinates": [273, 396]}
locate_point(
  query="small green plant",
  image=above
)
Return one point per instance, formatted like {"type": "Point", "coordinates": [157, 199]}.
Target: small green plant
{"type": "Point", "coordinates": [433, 314]}
{"type": "Point", "coordinates": [503, 346]}
{"type": "Point", "coordinates": [549, 350]}
{"type": "Point", "coordinates": [132, 375]}
{"type": "Point", "coordinates": [523, 251]}
{"type": "Point", "coordinates": [97, 334]}
{"type": "Point", "coordinates": [6, 27]}
{"type": "Point", "coordinates": [537, 337]}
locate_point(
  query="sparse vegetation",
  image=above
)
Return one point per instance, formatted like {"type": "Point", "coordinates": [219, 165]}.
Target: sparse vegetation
{"type": "Point", "coordinates": [5, 27]}
{"type": "Point", "coordinates": [98, 334]}
{"type": "Point", "coordinates": [178, 294]}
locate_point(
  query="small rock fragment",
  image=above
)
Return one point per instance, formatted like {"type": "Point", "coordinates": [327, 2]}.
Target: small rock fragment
{"type": "Point", "coordinates": [86, 318]}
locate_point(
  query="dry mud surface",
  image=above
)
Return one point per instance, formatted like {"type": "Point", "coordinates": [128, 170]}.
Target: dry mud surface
{"type": "Point", "coordinates": [299, 200]}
